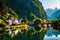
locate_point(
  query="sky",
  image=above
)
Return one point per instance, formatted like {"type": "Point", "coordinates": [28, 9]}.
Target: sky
{"type": "Point", "coordinates": [50, 4]}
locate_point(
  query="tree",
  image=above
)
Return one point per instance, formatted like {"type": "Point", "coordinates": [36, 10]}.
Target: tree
{"type": "Point", "coordinates": [12, 13]}
{"type": "Point", "coordinates": [3, 10]}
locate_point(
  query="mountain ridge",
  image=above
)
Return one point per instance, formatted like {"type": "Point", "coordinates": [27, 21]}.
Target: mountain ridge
{"type": "Point", "coordinates": [26, 7]}
{"type": "Point", "coordinates": [50, 13]}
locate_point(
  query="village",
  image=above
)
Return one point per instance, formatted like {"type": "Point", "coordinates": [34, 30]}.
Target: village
{"type": "Point", "coordinates": [22, 26]}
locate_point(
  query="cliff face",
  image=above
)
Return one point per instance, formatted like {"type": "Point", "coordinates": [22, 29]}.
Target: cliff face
{"type": "Point", "coordinates": [27, 7]}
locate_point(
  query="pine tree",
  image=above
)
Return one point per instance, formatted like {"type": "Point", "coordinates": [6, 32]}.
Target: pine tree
{"type": "Point", "coordinates": [3, 10]}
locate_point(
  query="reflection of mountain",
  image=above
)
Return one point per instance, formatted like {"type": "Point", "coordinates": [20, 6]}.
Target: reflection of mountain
{"type": "Point", "coordinates": [53, 13]}
{"type": "Point", "coordinates": [26, 7]}
{"type": "Point", "coordinates": [51, 32]}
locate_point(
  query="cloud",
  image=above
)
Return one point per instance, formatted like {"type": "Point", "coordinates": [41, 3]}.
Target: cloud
{"type": "Point", "coordinates": [50, 3]}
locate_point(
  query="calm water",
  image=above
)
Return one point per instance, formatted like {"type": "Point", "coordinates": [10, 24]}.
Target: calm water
{"type": "Point", "coordinates": [52, 35]}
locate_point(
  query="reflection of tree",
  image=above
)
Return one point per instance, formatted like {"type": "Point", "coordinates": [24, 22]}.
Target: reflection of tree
{"type": "Point", "coordinates": [56, 24]}
{"type": "Point", "coordinates": [39, 31]}
{"type": "Point", "coordinates": [2, 25]}
{"type": "Point", "coordinates": [3, 37]}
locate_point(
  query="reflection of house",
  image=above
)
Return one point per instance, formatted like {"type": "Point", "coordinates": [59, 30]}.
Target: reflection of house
{"type": "Point", "coordinates": [13, 33]}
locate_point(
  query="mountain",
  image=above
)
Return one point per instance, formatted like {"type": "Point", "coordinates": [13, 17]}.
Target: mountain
{"type": "Point", "coordinates": [50, 11]}
{"type": "Point", "coordinates": [56, 14]}
{"type": "Point", "coordinates": [27, 7]}
{"type": "Point", "coordinates": [5, 12]}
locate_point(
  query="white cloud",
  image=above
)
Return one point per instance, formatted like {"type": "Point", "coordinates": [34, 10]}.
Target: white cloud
{"type": "Point", "coordinates": [50, 3]}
